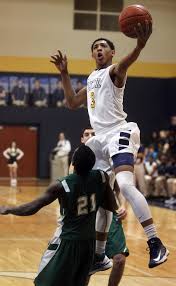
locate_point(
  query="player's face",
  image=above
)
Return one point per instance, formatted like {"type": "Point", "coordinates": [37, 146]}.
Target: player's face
{"type": "Point", "coordinates": [102, 53]}
{"type": "Point", "coordinates": [88, 133]}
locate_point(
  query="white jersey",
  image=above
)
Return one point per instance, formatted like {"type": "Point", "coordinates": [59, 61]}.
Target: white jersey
{"type": "Point", "coordinates": [104, 102]}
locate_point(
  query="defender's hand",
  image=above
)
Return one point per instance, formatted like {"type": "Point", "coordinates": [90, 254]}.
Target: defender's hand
{"type": "Point", "coordinates": [60, 62]}
{"type": "Point", "coordinates": [121, 213]}
{"type": "Point", "coordinates": [143, 33]}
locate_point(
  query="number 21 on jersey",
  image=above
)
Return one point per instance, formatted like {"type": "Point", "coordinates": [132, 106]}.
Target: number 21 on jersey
{"type": "Point", "coordinates": [86, 204]}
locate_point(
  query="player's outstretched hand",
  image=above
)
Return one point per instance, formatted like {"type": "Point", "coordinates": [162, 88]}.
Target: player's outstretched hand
{"type": "Point", "coordinates": [143, 33]}
{"type": "Point", "coordinates": [59, 61]}
{"type": "Point", "coordinates": [4, 210]}
{"type": "Point", "coordinates": [121, 213]}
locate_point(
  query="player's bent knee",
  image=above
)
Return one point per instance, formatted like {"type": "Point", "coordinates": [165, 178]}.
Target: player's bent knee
{"type": "Point", "coordinates": [119, 261]}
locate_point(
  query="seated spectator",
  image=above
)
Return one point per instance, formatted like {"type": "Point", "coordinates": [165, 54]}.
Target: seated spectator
{"type": "Point", "coordinates": [58, 98]}
{"type": "Point", "coordinates": [160, 181]}
{"type": "Point", "coordinates": [163, 141]}
{"type": "Point", "coordinates": [18, 94]}
{"type": "Point", "coordinates": [150, 151]}
{"type": "Point", "coordinates": [172, 143]}
{"type": "Point", "coordinates": [3, 96]}
{"type": "Point", "coordinates": [154, 140]}
{"type": "Point", "coordinates": [39, 97]}
{"type": "Point", "coordinates": [171, 182]}
{"type": "Point", "coordinates": [139, 172]}
{"type": "Point", "coordinates": [150, 175]}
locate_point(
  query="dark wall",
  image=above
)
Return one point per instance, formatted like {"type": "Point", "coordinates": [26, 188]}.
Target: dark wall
{"type": "Point", "coordinates": [149, 102]}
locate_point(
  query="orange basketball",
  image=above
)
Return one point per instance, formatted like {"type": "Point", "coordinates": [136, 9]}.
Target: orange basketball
{"type": "Point", "coordinates": [130, 17]}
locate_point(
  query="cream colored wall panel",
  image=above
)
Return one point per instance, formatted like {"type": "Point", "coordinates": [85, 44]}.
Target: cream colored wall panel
{"type": "Point", "coordinates": [36, 28]}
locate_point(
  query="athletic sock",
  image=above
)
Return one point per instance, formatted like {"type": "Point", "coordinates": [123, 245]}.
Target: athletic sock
{"type": "Point", "coordinates": [100, 246]}
{"type": "Point", "coordinates": [150, 231]}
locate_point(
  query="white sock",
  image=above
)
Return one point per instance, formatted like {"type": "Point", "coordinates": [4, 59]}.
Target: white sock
{"type": "Point", "coordinates": [103, 222]}
{"type": "Point", "coordinates": [100, 246]}
{"type": "Point", "coordinates": [150, 231]}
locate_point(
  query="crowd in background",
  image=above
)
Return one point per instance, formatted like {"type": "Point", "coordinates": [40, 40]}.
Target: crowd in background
{"type": "Point", "coordinates": [155, 167]}
{"type": "Point", "coordinates": [34, 92]}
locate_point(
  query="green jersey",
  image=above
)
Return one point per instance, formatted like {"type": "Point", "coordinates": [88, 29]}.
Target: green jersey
{"type": "Point", "coordinates": [81, 198]}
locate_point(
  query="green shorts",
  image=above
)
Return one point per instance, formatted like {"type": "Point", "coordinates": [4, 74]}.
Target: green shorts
{"type": "Point", "coordinates": [69, 266]}
{"type": "Point", "coordinates": [116, 242]}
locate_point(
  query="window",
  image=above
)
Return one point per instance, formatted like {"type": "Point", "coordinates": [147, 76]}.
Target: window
{"type": "Point", "coordinates": [90, 5]}
{"type": "Point", "coordinates": [85, 21]}
{"type": "Point", "coordinates": [100, 15]}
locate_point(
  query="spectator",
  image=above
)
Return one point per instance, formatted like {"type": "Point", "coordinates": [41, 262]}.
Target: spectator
{"type": "Point", "coordinates": [171, 182]}
{"type": "Point", "coordinates": [172, 142]}
{"type": "Point", "coordinates": [39, 95]}
{"type": "Point", "coordinates": [58, 95]}
{"type": "Point", "coordinates": [60, 159]}
{"type": "Point", "coordinates": [154, 140]}
{"type": "Point", "coordinates": [18, 94]}
{"type": "Point", "coordinates": [150, 175]}
{"type": "Point", "coordinates": [139, 172]}
{"type": "Point", "coordinates": [163, 141]}
{"type": "Point", "coordinates": [160, 181]}
{"type": "Point", "coordinates": [3, 96]}
{"type": "Point", "coordinates": [150, 151]}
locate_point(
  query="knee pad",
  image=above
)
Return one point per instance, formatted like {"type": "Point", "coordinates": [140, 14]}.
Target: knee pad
{"type": "Point", "coordinates": [124, 179]}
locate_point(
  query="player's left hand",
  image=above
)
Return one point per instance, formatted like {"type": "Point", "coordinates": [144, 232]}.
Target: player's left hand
{"type": "Point", "coordinates": [143, 33]}
{"type": "Point", "coordinates": [4, 210]}
{"type": "Point", "coordinates": [121, 213]}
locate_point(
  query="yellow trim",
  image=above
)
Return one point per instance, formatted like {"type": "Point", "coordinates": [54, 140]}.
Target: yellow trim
{"type": "Point", "coordinates": [42, 65]}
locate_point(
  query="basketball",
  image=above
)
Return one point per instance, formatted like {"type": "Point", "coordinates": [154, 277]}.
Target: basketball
{"type": "Point", "coordinates": [130, 17]}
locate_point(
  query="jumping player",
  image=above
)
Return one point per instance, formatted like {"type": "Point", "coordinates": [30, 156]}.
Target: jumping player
{"type": "Point", "coordinates": [115, 138]}
{"type": "Point", "coordinates": [79, 194]}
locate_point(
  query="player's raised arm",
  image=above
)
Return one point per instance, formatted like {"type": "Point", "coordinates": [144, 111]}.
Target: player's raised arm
{"type": "Point", "coordinates": [73, 99]}
{"type": "Point", "coordinates": [51, 194]}
{"type": "Point", "coordinates": [118, 72]}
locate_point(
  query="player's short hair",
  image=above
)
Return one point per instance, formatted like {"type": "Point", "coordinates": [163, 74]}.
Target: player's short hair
{"type": "Point", "coordinates": [83, 160]}
{"type": "Point", "coordinates": [110, 44]}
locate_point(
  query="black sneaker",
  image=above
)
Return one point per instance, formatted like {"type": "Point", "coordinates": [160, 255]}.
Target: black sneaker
{"type": "Point", "coordinates": [158, 252]}
{"type": "Point", "coordinates": [101, 263]}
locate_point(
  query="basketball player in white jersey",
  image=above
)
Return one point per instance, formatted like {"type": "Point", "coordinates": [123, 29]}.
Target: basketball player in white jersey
{"type": "Point", "coordinates": [115, 139]}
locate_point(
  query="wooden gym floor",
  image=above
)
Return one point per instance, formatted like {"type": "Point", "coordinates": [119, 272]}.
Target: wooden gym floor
{"type": "Point", "coordinates": [23, 240]}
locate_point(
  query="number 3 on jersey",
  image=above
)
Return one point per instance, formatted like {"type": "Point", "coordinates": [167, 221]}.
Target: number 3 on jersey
{"type": "Point", "coordinates": [92, 97]}
{"type": "Point", "coordinates": [86, 205]}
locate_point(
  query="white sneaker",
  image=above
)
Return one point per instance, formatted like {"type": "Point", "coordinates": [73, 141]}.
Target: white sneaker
{"type": "Point", "coordinates": [13, 183]}
{"type": "Point", "coordinates": [102, 263]}
{"type": "Point", "coordinates": [171, 201]}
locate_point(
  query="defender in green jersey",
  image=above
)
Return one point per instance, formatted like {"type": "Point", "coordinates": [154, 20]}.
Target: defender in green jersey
{"type": "Point", "coordinates": [70, 254]}
{"type": "Point", "coordinates": [116, 247]}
